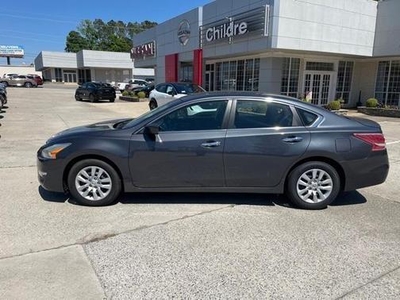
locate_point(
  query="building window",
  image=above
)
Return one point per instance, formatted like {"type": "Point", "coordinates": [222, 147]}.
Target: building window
{"type": "Point", "coordinates": [319, 66]}
{"type": "Point", "coordinates": [387, 88]}
{"type": "Point", "coordinates": [186, 72]}
{"type": "Point", "coordinates": [58, 72]}
{"type": "Point", "coordinates": [70, 76]}
{"type": "Point", "coordinates": [240, 75]}
{"type": "Point", "coordinates": [344, 77]}
{"type": "Point", "coordinates": [290, 76]}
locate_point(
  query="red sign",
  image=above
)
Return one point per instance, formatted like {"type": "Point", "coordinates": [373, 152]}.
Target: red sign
{"type": "Point", "coordinates": [143, 51]}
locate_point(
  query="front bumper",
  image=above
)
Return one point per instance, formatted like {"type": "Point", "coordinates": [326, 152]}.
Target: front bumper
{"type": "Point", "coordinates": [50, 174]}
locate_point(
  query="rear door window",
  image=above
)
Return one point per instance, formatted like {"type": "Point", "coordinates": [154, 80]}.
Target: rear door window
{"type": "Point", "coordinates": [259, 114]}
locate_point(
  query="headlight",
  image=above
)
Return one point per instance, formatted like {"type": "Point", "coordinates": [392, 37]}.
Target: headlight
{"type": "Point", "coordinates": [52, 151]}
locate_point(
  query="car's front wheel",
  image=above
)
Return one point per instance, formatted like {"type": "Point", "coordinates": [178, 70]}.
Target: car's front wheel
{"type": "Point", "coordinates": [28, 84]}
{"type": "Point", "coordinates": [313, 185]}
{"type": "Point", "coordinates": [77, 98]}
{"type": "Point", "coordinates": [93, 182]}
{"type": "Point", "coordinates": [112, 100]}
{"type": "Point", "coordinates": [153, 104]}
{"type": "Point", "coordinates": [92, 98]}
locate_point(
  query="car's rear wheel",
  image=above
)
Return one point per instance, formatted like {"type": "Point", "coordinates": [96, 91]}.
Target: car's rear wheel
{"type": "Point", "coordinates": [153, 104]}
{"type": "Point", "coordinates": [92, 98]}
{"type": "Point", "coordinates": [313, 185]}
{"type": "Point", "coordinates": [28, 85]}
{"type": "Point", "coordinates": [93, 182]}
{"type": "Point", "coordinates": [112, 100]}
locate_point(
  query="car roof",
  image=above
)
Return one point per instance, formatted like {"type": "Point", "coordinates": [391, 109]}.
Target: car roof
{"type": "Point", "coordinates": [248, 95]}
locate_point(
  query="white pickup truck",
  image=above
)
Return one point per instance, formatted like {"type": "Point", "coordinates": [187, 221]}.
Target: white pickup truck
{"type": "Point", "coordinates": [133, 83]}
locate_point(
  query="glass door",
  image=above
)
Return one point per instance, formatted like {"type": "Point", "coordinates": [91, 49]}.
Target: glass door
{"type": "Point", "coordinates": [317, 87]}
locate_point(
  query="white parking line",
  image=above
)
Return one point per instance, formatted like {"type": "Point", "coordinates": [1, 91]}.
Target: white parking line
{"type": "Point", "coordinates": [391, 143]}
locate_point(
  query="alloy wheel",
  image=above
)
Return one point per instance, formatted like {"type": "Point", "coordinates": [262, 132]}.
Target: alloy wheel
{"type": "Point", "coordinates": [93, 183]}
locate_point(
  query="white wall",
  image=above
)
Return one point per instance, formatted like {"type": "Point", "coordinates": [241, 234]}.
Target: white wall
{"type": "Point", "coordinates": [333, 26]}
{"type": "Point", "coordinates": [19, 70]}
{"type": "Point", "coordinates": [364, 80]}
{"type": "Point", "coordinates": [104, 59]}
{"type": "Point", "coordinates": [48, 59]}
{"type": "Point", "coordinates": [387, 42]}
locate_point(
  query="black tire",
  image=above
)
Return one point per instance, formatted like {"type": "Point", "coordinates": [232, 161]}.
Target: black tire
{"type": "Point", "coordinates": [28, 85]}
{"type": "Point", "coordinates": [92, 98]}
{"type": "Point", "coordinates": [313, 185]}
{"type": "Point", "coordinates": [153, 104]}
{"type": "Point", "coordinates": [77, 98]}
{"type": "Point", "coordinates": [112, 100]}
{"type": "Point", "coordinates": [2, 100]}
{"type": "Point", "coordinates": [107, 185]}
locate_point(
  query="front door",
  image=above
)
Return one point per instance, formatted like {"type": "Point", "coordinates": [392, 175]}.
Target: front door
{"type": "Point", "coordinates": [188, 151]}
{"type": "Point", "coordinates": [317, 87]}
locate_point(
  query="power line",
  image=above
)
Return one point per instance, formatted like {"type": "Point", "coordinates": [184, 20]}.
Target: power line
{"type": "Point", "coordinates": [30, 33]}
{"type": "Point", "coordinates": [27, 38]}
{"type": "Point", "coordinates": [37, 19]}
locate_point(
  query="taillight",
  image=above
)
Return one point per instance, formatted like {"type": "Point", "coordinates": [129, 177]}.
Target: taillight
{"type": "Point", "coordinates": [376, 140]}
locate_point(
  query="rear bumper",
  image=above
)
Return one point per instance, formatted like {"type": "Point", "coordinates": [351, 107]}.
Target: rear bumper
{"type": "Point", "coordinates": [366, 172]}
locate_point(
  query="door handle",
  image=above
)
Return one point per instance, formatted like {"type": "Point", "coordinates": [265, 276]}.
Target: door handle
{"type": "Point", "coordinates": [292, 139]}
{"type": "Point", "coordinates": [212, 144]}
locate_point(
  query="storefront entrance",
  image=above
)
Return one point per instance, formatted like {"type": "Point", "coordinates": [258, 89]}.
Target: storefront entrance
{"type": "Point", "coordinates": [317, 87]}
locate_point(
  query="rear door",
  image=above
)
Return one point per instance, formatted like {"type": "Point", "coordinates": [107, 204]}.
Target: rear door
{"type": "Point", "coordinates": [263, 141]}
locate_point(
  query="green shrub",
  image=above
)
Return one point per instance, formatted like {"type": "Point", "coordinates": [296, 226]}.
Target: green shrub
{"type": "Point", "coordinates": [141, 95]}
{"type": "Point", "coordinates": [371, 102]}
{"type": "Point", "coordinates": [125, 93]}
{"type": "Point", "coordinates": [334, 105]}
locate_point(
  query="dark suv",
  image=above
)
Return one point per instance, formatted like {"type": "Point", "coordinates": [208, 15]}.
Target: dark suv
{"type": "Point", "coordinates": [95, 91]}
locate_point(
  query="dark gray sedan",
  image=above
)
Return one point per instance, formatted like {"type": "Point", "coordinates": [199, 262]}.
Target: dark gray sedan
{"type": "Point", "coordinates": [218, 142]}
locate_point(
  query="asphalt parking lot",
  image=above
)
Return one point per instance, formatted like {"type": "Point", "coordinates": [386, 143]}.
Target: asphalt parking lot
{"type": "Point", "coordinates": [191, 246]}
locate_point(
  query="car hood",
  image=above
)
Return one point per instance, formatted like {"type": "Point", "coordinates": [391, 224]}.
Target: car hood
{"type": "Point", "coordinates": [95, 129]}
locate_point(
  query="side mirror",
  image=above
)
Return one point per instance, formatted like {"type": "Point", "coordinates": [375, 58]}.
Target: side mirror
{"type": "Point", "coordinates": [152, 132]}
{"type": "Point", "coordinates": [152, 129]}
{"type": "Point", "coordinates": [171, 93]}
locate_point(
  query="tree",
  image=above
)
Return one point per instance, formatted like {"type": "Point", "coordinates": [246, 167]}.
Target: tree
{"type": "Point", "coordinates": [115, 36]}
{"type": "Point", "coordinates": [75, 42]}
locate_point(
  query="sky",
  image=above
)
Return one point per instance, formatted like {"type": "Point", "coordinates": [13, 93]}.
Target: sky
{"type": "Point", "coordinates": [44, 25]}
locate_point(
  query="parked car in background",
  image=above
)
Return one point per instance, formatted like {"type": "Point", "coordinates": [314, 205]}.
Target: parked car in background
{"type": "Point", "coordinates": [145, 89]}
{"type": "Point", "coordinates": [95, 91]}
{"type": "Point", "coordinates": [19, 80]}
{"type": "Point", "coordinates": [6, 75]}
{"type": "Point", "coordinates": [36, 77]}
{"type": "Point", "coordinates": [3, 95]}
{"type": "Point", "coordinates": [219, 142]}
{"type": "Point", "coordinates": [165, 92]}
{"type": "Point", "coordinates": [135, 83]}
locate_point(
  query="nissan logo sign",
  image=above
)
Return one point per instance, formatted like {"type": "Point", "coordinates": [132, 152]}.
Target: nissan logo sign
{"type": "Point", "coordinates": [184, 32]}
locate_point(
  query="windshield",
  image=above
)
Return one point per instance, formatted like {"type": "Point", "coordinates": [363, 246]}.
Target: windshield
{"type": "Point", "coordinates": [188, 88]}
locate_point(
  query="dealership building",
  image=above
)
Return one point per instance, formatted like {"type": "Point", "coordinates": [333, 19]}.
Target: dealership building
{"type": "Point", "coordinates": [89, 65]}
{"type": "Point", "coordinates": [321, 49]}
